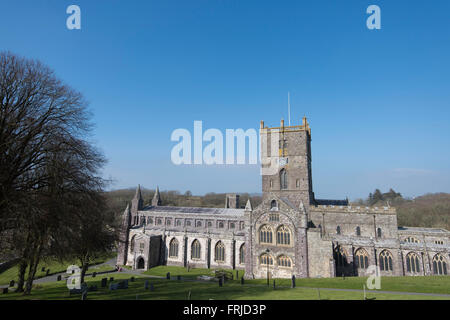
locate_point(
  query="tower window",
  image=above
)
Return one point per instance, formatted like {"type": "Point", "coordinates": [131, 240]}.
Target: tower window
{"type": "Point", "coordinates": [338, 230]}
{"type": "Point", "coordinates": [358, 231]}
{"type": "Point", "coordinates": [379, 232]}
{"type": "Point", "coordinates": [283, 179]}
{"type": "Point", "coordinates": [297, 183]}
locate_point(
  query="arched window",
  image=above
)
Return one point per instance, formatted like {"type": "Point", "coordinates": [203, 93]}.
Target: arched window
{"type": "Point", "coordinates": [219, 252]}
{"type": "Point", "coordinates": [340, 256]}
{"type": "Point", "coordinates": [242, 254]}
{"type": "Point", "coordinates": [168, 222]}
{"type": "Point", "coordinates": [150, 220]}
{"type": "Point", "coordinates": [232, 225]}
{"type": "Point", "coordinates": [283, 179]}
{"type": "Point", "coordinates": [283, 236]}
{"type": "Point", "coordinates": [199, 224]}
{"type": "Point", "coordinates": [195, 249]}
{"type": "Point", "coordinates": [265, 234]}
{"type": "Point", "coordinates": [220, 225]}
{"type": "Point", "coordinates": [379, 232]}
{"type": "Point", "coordinates": [386, 261]}
{"type": "Point", "coordinates": [412, 262]}
{"type": "Point", "coordinates": [284, 261]}
{"type": "Point", "coordinates": [178, 222]}
{"type": "Point", "coordinates": [362, 259]}
{"type": "Point", "coordinates": [266, 259]}
{"type": "Point", "coordinates": [358, 231]}
{"type": "Point", "coordinates": [173, 248]}
{"type": "Point", "coordinates": [338, 230]}
{"type": "Point", "coordinates": [159, 221]}
{"type": "Point", "coordinates": [188, 223]}
{"type": "Point", "coordinates": [273, 205]}
{"type": "Point", "coordinates": [439, 265]}
{"type": "Point", "coordinates": [132, 243]}
{"type": "Point", "coordinates": [209, 224]}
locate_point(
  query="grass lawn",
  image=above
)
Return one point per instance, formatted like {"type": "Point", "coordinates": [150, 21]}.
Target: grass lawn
{"type": "Point", "coordinates": [421, 284]}
{"type": "Point", "coordinates": [178, 290]}
{"type": "Point", "coordinates": [54, 266]}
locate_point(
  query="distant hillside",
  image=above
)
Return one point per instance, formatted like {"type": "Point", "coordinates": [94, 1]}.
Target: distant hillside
{"type": "Point", "coordinates": [430, 210]}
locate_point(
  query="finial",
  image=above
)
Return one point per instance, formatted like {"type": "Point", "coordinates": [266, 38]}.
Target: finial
{"type": "Point", "coordinates": [248, 206]}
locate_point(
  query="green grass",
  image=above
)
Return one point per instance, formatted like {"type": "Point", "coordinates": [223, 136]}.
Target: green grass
{"type": "Point", "coordinates": [54, 266]}
{"type": "Point", "coordinates": [178, 290]}
{"type": "Point", "coordinates": [193, 273]}
{"type": "Point", "coordinates": [421, 284]}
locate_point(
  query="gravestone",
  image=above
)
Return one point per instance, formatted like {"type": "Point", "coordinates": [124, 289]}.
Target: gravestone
{"type": "Point", "coordinates": [242, 280]}
{"type": "Point", "coordinates": [5, 290]}
{"type": "Point", "coordinates": [92, 288]}
{"type": "Point", "coordinates": [146, 285]}
{"type": "Point", "coordinates": [84, 295]}
{"type": "Point", "coordinates": [152, 288]}
{"type": "Point", "coordinates": [237, 274]}
{"type": "Point", "coordinates": [104, 282]}
{"type": "Point", "coordinates": [223, 278]}
{"type": "Point", "coordinates": [58, 278]}
{"type": "Point", "coordinates": [94, 274]}
{"type": "Point", "coordinates": [274, 287]}
{"type": "Point", "coordinates": [293, 282]}
{"type": "Point", "coordinates": [178, 278]}
{"type": "Point", "coordinates": [132, 279]}
{"type": "Point", "coordinates": [168, 276]}
{"type": "Point", "coordinates": [220, 282]}
{"type": "Point", "coordinates": [111, 279]}
{"type": "Point", "coordinates": [42, 269]}
{"type": "Point", "coordinates": [48, 271]}
{"type": "Point", "coordinates": [11, 283]}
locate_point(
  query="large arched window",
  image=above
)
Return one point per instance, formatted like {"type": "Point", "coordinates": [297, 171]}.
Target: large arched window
{"type": "Point", "coordinates": [284, 261]}
{"type": "Point", "coordinates": [439, 264]}
{"type": "Point", "coordinates": [173, 248]}
{"type": "Point", "coordinates": [412, 262]}
{"type": "Point", "coordinates": [340, 257]}
{"type": "Point", "coordinates": [195, 249]}
{"type": "Point", "coordinates": [242, 254]}
{"type": "Point", "coordinates": [266, 259]}
{"type": "Point", "coordinates": [265, 234]}
{"type": "Point", "coordinates": [386, 261]}
{"type": "Point", "coordinates": [283, 179]}
{"type": "Point", "coordinates": [219, 252]}
{"type": "Point", "coordinates": [283, 236]}
{"type": "Point", "coordinates": [362, 259]}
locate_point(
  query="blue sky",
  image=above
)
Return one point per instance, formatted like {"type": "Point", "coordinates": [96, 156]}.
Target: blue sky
{"type": "Point", "coordinates": [377, 100]}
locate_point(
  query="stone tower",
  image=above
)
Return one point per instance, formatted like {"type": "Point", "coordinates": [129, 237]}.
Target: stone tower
{"type": "Point", "coordinates": [286, 162]}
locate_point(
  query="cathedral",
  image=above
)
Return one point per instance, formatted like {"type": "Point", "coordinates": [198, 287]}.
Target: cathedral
{"type": "Point", "coordinates": [289, 233]}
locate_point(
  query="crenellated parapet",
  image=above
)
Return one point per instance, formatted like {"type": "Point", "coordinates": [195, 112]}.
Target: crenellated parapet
{"type": "Point", "coordinates": [353, 209]}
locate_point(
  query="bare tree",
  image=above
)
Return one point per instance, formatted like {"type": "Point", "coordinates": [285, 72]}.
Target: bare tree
{"type": "Point", "coordinates": [47, 165]}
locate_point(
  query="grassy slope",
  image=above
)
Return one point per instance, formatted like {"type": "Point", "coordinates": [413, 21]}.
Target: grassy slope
{"type": "Point", "coordinates": [54, 266]}
{"type": "Point", "coordinates": [177, 290]}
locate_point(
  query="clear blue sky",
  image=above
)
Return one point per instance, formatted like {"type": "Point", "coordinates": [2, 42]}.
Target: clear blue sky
{"type": "Point", "coordinates": [377, 100]}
